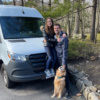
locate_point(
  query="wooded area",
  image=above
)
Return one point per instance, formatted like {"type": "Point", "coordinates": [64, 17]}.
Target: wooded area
{"type": "Point", "coordinates": [77, 17]}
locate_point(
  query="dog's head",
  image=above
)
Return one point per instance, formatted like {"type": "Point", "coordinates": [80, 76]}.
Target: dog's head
{"type": "Point", "coordinates": [61, 72]}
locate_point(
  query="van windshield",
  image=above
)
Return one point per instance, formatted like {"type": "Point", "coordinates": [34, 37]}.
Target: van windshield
{"type": "Point", "coordinates": [21, 27]}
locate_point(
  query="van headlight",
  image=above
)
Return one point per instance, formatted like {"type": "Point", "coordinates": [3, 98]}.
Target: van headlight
{"type": "Point", "coordinates": [16, 57]}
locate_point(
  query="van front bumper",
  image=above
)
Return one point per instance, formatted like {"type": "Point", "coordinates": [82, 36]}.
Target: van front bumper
{"type": "Point", "coordinates": [22, 72]}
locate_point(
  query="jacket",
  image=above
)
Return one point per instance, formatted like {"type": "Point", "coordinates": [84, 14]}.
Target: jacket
{"type": "Point", "coordinates": [50, 41]}
{"type": "Point", "coordinates": [62, 49]}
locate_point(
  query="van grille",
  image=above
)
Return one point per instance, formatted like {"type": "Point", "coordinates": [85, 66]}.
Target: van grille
{"type": "Point", "coordinates": [37, 61]}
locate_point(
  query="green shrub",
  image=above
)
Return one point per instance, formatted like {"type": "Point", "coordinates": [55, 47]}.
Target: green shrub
{"type": "Point", "coordinates": [79, 48]}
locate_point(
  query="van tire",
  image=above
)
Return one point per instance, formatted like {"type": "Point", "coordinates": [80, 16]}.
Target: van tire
{"type": "Point", "coordinates": [8, 83]}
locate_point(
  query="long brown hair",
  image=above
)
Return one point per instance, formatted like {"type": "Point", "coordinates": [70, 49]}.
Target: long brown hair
{"type": "Point", "coordinates": [51, 28]}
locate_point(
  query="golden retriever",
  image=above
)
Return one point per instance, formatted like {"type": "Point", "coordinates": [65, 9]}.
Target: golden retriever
{"type": "Point", "coordinates": [59, 83]}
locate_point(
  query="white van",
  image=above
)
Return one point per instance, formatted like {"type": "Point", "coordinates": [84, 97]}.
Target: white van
{"type": "Point", "coordinates": [22, 53]}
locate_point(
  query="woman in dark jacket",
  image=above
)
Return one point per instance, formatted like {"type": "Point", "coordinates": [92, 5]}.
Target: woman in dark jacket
{"type": "Point", "coordinates": [48, 34]}
{"type": "Point", "coordinates": [49, 45]}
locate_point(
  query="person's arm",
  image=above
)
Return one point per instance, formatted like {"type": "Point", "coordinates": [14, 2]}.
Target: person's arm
{"type": "Point", "coordinates": [52, 40]}
{"type": "Point", "coordinates": [45, 35]}
{"type": "Point", "coordinates": [47, 38]}
{"type": "Point", "coordinates": [65, 51]}
{"type": "Point", "coordinates": [64, 34]}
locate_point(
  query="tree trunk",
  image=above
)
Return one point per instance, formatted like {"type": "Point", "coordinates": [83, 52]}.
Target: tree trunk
{"type": "Point", "coordinates": [92, 37]}
{"type": "Point", "coordinates": [83, 17]}
{"type": "Point", "coordinates": [0, 1]}
{"type": "Point", "coordinates": [71, 20]}
{"type": "Point", "coordinates": [22, 2]}
{"type": "Point", "coordinates": [42, 5]}
{"type": "Point", "coordinates": [81, 23]}
{"type": "Point", "coordinates": [49, 4]}
{"type": "Point", "coordinates": [98, 13]}
{"type": "Point", "coordinates": [14, 2]}
{"type": "Point", "coordinates": [76, 28]}
{"type": "Point", "coordinates": [68, 23]}
{"type": "Point", "coordinates": [97, 21]}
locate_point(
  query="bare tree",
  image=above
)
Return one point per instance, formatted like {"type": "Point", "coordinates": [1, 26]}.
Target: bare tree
{"type": "Point", "coordinates": [92, 37]}
{"type": "Point", "coordinates": [42, 4]}
{"type": "Point", "coordinates": [98, 15]}
{"type": "Point", "coordinates": [49, 4]}
{"type": "Point", "coordinates": [83, 18]}
{"type": "Point", "coordinates": [97, 21]}
{"type": "Point", "coordinates": [77, 22]}
{"type": "Point", "coordinates": [22, 2]}
{"type": "Point", "coordinates": [71, 19]}
{"type": "Point", "coordinates": [79, 19]}
{"type": "Point", "coordinates": [68, 24]}
{"type": "Point", "coordinates": [14, 2]}
{"type": "Point", "coordinates": [68, 20]}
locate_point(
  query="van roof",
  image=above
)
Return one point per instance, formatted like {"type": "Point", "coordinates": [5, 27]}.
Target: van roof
{"type": "Point", "coordinates": [17, 11]}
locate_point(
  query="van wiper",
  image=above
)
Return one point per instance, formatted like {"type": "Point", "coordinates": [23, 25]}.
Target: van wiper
{"type": "Point", "coordinates": [12, 38]}
{"type": "Point", "coordinates": [18, 37]}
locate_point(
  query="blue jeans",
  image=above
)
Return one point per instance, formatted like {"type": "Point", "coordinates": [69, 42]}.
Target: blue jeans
{"type": "Point", "coordinates": [51, 53]}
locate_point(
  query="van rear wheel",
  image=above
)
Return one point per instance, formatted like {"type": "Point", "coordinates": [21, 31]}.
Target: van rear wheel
{"type": "Point", "coordinates": [8, 83]}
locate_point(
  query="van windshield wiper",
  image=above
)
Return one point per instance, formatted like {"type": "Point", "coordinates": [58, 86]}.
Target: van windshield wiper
{"type": "Point", "coordinates": [12, 38]}
{"type": "Point", "coordinates": [19, 37]}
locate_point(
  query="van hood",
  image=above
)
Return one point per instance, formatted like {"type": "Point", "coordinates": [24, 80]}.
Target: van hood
{"type": "Point", "coordinates": [25, 46]}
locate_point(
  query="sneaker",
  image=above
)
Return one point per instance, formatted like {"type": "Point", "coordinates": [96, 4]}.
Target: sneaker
{"type": "Point", "coordinates": [68, 96]}
{"type": "Point", "coordinates": [48, 74]}
{"type": "Point", "coordinates": [52, 71]}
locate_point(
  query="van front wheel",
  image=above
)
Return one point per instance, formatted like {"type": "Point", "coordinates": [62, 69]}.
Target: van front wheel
{"type": "Point", "coordinates": [8, 83]}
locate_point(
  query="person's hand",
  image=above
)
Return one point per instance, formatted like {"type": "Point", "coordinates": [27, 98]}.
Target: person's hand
{"type": "Point", "coordinates": [44, 40]}
{"type": "Point", "coordinates": [59, 39]}
{"type": "Point", "coordinates": [64, 66]}
{"type": "Point", "coordinates": [41, 28]}
{"type": "Point", "coordinates": [64, 35]}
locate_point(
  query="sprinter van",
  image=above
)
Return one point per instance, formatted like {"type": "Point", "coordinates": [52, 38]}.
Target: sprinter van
{"type": "Point", "coordinates": [22, 54]}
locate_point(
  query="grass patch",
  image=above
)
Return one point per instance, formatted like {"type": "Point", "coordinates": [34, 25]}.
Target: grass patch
{"type": "Point", "coordinates": [88, 37]}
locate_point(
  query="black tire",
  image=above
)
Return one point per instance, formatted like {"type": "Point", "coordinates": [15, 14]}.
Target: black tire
{"type": "Point", "coordinates": [8, 83]}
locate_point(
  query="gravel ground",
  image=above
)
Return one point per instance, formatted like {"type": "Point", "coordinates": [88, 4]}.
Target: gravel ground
{"type": "Point", "coordinates": [36, 90]}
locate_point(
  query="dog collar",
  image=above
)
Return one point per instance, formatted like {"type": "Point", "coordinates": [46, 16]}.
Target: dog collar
{"type": "Point", "coordinates": [60, 77]}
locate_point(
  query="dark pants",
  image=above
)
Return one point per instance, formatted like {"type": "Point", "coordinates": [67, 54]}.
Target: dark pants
{"type": "Point", "coordinates": [51, 53]}
{"type": "Point", "coordinates": [59, 63]}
